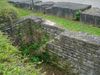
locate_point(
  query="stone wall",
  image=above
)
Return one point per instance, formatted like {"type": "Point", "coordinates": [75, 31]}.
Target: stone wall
{"type": "Point", "coordinates": [24, 26]}
{"type": "Point", "coordinates": [80, 49]}
{"type": "Point", "coordinates": [22, 4]}
{"type": "Point", "coordinates": [53, 30]}
{"type": "Point", "coordinates": [64, 9]}
{"type": "Point", "coordinates": [91, 16]}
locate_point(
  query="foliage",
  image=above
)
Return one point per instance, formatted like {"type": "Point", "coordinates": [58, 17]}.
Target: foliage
{"type": "Point", "coordinates": [8, 14]}
{"type": "Point", "coordinates": [7, 51]}
{"type": "Point", "coordinates": [11, 62]}
{"type": "Point", "coordinates": [36, 50]}
{"type": "Point", "coordinates": [77, 15]}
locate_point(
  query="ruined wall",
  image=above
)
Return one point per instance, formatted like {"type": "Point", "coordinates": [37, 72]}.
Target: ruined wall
{"type": "Point", "coordinates": [82, 50]}
{"type": "Point", "coordinates": [79, 49]}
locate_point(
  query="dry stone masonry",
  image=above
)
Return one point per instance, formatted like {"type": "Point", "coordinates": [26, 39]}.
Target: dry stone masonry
{"type": "Point", "coordinates": [91, 16]}
{"type": "Point", "coordinates": [80, 49]}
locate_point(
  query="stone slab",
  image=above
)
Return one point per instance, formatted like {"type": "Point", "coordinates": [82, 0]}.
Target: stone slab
{"type": "Point", "coordinates": [73, 6]}
{"type": "Point", "coordinates": [67, 9]}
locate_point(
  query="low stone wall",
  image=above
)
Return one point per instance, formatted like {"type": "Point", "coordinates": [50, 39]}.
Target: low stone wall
{"type": "Point", "coordinates": [66, 9]}
{"type": "Point", "coordinates": [62, 9]}
{"type": "Point", "coordinates": [25, 27]}
{"type": "Point", "coordinates": [22, 4]}
{"type": "Point", "coordinates": [48, 26]}
{"type": "Point", "coordinates": [41, 7]}
{"type": "Point", "coordinates": [91, 16]}
{"type": "Point", "coordinates": [80, 49]}
{"type": "Point", "coordinates": [53, 30]}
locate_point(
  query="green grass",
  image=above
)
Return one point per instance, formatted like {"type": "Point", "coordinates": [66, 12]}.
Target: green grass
{"type": "Point", "coordinates": [72, 25]}
{"type": "Point", "coordinates": [65, 23]}
{"type": "Point", "coordinates": [11, 62]}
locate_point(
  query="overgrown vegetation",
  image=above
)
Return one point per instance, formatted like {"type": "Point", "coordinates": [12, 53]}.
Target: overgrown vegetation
{"type": "Point", "coordinates": [7, 18]}
{"type": "Point", "coordinates": [11, 62]}
{"type": "Point", "coordinates": [35, 49]}
{"type": "Point", "coordinates": [77, 15]}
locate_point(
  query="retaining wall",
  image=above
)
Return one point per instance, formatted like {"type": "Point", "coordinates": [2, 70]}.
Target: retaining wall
{"type": "Point", "coordinates": [80, 49]}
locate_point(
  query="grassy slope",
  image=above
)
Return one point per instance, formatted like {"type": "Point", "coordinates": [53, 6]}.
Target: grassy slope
{"type": "Point", "coordinates": [72, 25]}
{"type": "Point", "coordinates": [68, 24]}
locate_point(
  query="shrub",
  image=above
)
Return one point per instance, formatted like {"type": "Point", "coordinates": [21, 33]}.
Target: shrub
{"type": "Point", "coordinates": [77, 15]}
